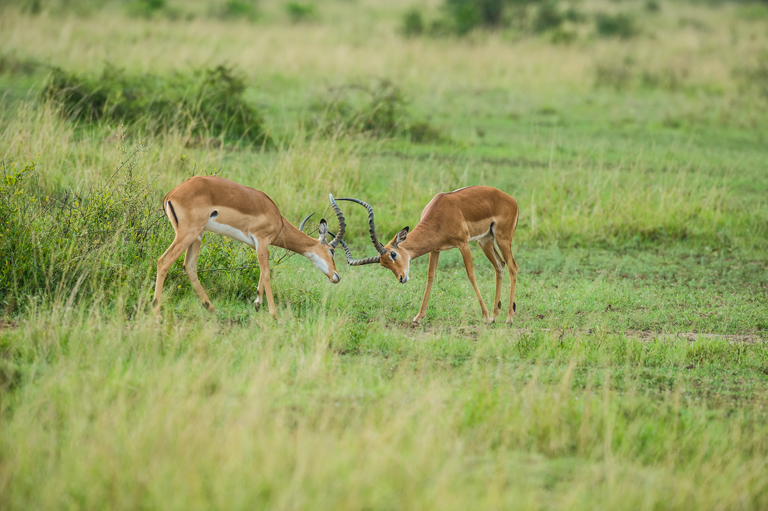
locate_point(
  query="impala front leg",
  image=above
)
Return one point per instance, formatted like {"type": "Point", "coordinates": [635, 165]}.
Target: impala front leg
{"type": "Point", "coordinates": [259, 291]}
{"type": "Point", "coordinates": [263, 255]}
{"type": "Point", "coordinates": [434, 257]}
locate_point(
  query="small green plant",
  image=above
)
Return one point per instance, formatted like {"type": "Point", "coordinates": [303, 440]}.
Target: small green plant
{"type": "Point", "coordinates": [378, 110]}
{"type": "Point", "coordinates": [619, 25]}
{"type": "Point", "coordinates": [548, 17]}
{"type": "Point", "coordinates": [12, 65]}
{"type": "Point", "coordinates": [146, 8]}
{"type": "Point", "coordinates": [652, 6]}
{"type": "Point", "coordinates": [413, 23]}
{"type": "Point", "coordinates": [463, 15]}
{"type": "Point", "coordinates": [238, 9]}
{"type": "Point", "coordinates": [299, 12]}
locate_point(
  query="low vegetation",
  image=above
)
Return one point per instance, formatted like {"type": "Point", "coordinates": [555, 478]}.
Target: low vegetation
{"type": "Point", "coordinates": [205, 102]}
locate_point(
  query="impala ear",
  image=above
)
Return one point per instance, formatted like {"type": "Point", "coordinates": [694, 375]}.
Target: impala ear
{"type": "Point", "coordinates": [400, 237]}
{"type": "Point", "coordinates": [323, 229]}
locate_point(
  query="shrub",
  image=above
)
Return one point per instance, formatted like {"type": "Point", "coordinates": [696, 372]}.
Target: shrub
{"type": "Point", "coordinates": [379, 110]}
{"type": "Point", "coordinates": [548, 17]}
{"type": "Point", "coordinates": [652, 6]}
{"type": "Point", "coordinates": [413, 23]}
{"type": "Point", "coordinates": [236, 9]}
{"type": "Point", "coordinates": [99, 243]}
{"type": "Point", "coordinates": [12, 65]}
{"type": "Point", "coordinates": [616, 25]}
{"type": "Point", "coordinates": [146, 8]}
{"type": "Point", "coordinates": [299, 12]}
{"type": "Point", "coordinates": [54, 244]}
{"type": "Point", "coordinates": [208, 101]}
{"type": "Point", "coordinates": [462, 16]}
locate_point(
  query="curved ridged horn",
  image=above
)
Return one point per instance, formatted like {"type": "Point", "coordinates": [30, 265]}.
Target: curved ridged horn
{"type": "Point", "coordinates": [371, 227]}
{"type": "Point", "coordinates": [342, 225]}
{"type": "Point", "coordinates": [357, 262]}
{"type": "Point", "coordinates": [301, 226]}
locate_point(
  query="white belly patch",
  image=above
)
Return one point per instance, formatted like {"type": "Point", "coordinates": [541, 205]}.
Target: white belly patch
{"type": "Point", "coordinates": [485, 234]}
{"type": "Point", "coordinates": [231, 232]}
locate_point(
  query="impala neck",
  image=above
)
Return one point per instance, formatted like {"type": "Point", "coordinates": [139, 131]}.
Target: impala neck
{"type": "Point", "coordinates": [420, 241]}
{"type": "Point", "coordinates": [294, 240]}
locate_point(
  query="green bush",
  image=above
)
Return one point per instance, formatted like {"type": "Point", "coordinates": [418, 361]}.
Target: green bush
{"type": "Point", "coordinates": [616, 25]}
{"type": "Point", "coordinates": [99, 243]}
{"type": "Point", "coordinates": [379, 111]}
{"type": "Point", "coordinates": [72, 243]}
{"type": "Point", "coordinates": [205, 102]}
{"type": "Point", "coordinates": [548, 17]}
{"type": "Point", "coordinates": [459, 17]}
{"type": "Point", "coordinates": [237, 9]}
{"type": "Point", "coordinates": [12, 65]}
{"type": "Point", "coordinates": [463, 14]}
{"type": "Point", "coordinates": [146, 8]}
{"type": "Point", "coordinates": [299, 12]}
{"type": "Point", "coordinates": [413, 23]}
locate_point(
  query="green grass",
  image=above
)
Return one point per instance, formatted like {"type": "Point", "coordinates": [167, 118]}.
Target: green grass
{"type": "Point", "coordinates": [635, 375]}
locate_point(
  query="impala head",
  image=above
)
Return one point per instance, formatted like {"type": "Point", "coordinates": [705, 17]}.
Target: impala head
{"type": "Point", "coordinates": [395, 258]}
{"type": "Point", "coordinates": [390, 256]}
{"type": "Point", "coordinates": [321, 254]}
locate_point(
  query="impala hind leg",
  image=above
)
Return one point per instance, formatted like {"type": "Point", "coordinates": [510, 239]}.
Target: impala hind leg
{"type": "Point", "coordinates": [498, 265]}
{"type": "Point", "coordinates": [434, 257]}
{"type": "Point", "coordinates": [466, 254]}
{"type": "Point", "coordinates": [179, 245]}
{"type": "Point", "coordinates": [190, 266]}
{"type": "Point", "coordinates": [505, 246]}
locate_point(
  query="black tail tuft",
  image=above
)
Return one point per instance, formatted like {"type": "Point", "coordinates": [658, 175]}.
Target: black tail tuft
{"type": "Point", "coordinates": [514, 306]}
{"type": "Point", "coordinates": [173, 212]}
{"type": "Point", "coordinates": [214, 214]}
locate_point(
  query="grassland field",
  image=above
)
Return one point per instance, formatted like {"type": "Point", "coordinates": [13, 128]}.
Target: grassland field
{"type": "Point", "coordinates": [634, 376]}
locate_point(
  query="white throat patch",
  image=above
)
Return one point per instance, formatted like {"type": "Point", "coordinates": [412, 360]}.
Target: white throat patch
{"type": "Point", "coordinates": [317, 261]}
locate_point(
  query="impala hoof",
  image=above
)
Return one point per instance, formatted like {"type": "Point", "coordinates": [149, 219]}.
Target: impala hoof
{"type": "Point", "coordinates": [209, 306]}
{"type": "Point", "coordinates": [256, 305]}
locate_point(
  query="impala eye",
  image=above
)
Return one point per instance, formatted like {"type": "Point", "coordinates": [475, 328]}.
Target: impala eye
{"type": "Point", "coordinates": [393, 254]}
{"type": "Point", "coordinates": [333, 252]}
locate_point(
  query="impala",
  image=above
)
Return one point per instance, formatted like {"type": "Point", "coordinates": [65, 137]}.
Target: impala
{"type": "Point", "coordinates": [215, 204]}
{"type": "Point", "coordinates": [452, 220]}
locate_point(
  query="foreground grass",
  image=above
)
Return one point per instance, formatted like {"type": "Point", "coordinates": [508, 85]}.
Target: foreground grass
{"type": "Point", "coordinates": [590, 400]}
{"type": "Point", "coordinates": [200, 413]}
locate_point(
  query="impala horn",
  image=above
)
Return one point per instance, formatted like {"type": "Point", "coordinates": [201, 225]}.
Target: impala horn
{"type": "Point", "coordinates": [303, 222]}
{"type": "Point", "coordinates": [371, 228]}
{"type": "Point", "coordinates": [357, 262]}
{"type": "Point", "coordinates": [342, 225]}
